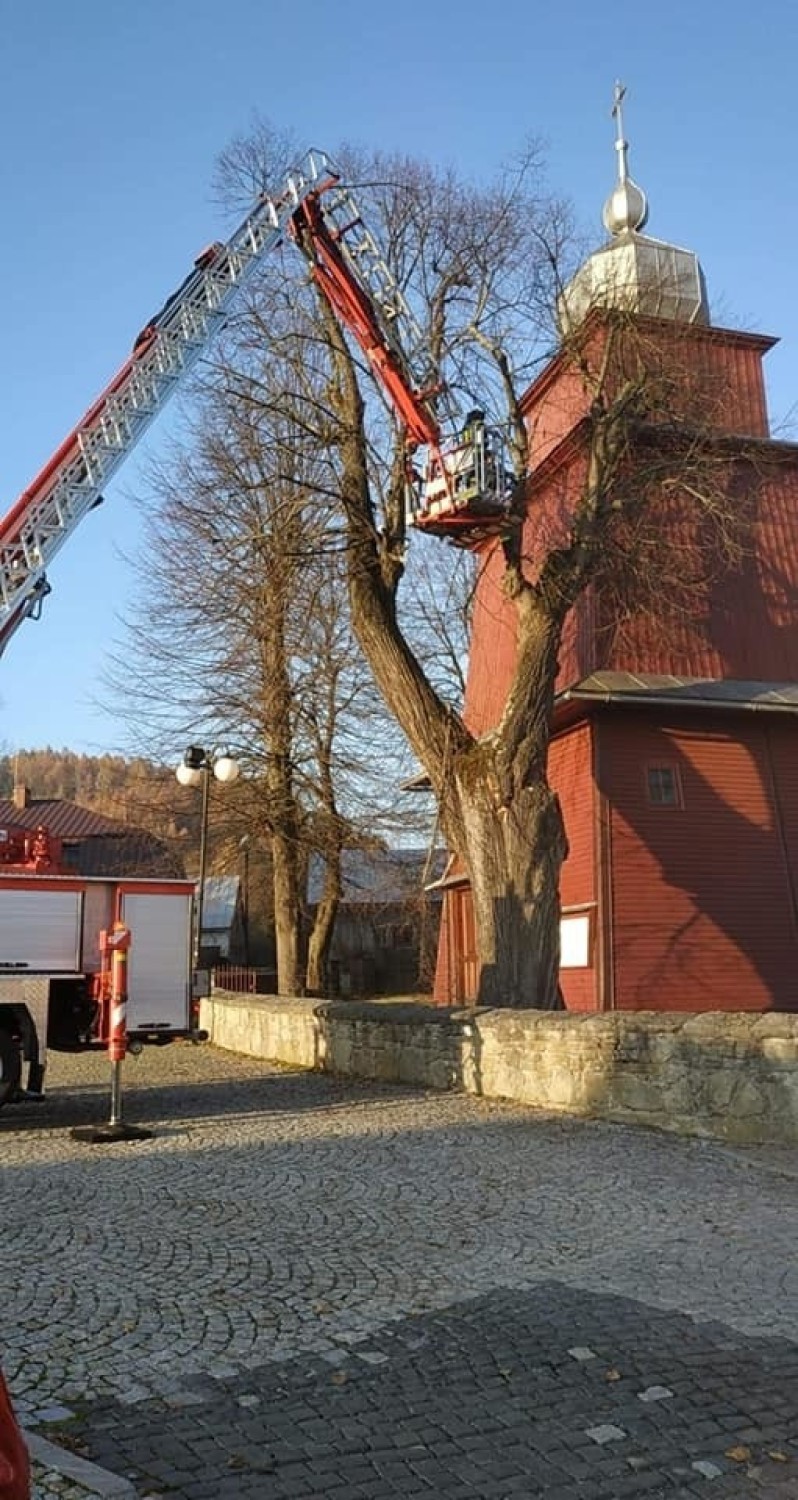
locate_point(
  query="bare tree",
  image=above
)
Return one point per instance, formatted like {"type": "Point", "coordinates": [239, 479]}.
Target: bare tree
{"type": "Point", "coordinates": [241, 633]}
{"type": "Point", "coordinates": [482, 268]}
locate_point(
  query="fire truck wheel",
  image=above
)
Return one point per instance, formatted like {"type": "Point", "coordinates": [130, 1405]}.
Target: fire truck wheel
{"type": "Point", "coordinates": [10, 1066]}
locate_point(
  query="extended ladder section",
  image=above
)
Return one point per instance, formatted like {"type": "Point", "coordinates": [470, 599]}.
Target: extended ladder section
{"type": "Point", "coordinates": [72, 482]}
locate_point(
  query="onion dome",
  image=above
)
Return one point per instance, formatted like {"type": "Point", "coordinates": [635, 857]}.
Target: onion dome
{"type": "Point", "coordinates": [633, 271]}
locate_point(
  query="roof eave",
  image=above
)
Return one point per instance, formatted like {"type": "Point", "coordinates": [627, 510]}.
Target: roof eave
{"type": "Point", "coordinates": [672, 698]}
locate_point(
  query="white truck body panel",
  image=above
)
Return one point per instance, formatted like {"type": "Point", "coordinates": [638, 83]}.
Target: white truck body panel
{"type": "Point", "coordinates": [41, 931]}
{"type": "Point", "coordinates": [159, 961]}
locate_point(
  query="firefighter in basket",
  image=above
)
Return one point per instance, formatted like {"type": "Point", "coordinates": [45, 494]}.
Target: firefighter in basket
{"type": "Point", "coordinates": [461, 475]}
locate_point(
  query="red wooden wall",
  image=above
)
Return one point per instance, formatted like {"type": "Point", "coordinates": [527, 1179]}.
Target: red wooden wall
{"type": "Point", "coordinates": [492, 647]}
{"type": "Point", "coordinates": [747, 626]}
{"type": "Point", "coordinates": [571, 775]}
{"type": "Point", "coordinates": [720, 368]}
{"type": "Point", "coordinates": [702, 913]}
{"type": "Point", "coordinates": [748, 629]}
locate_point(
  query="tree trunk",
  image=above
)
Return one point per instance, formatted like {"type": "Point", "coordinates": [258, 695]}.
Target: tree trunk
{"type": "Point", "coordinates": [276, 707]}
{"type": "Point", "coordinates": [514, 855]}
{"type": "Point", "coordinates": [320, 941]}
{"type": "Point", "coordinates": [496, 808]}
{"type": "Point", "coordinates": [286, 915]}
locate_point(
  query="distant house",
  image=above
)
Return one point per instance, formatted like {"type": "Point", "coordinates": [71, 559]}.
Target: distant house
{"type": "Point", "coordinates": [387, 925]}
{"type": "Point", "coordinates": [91, 843]}
{"type": "Point", "coordinates": [223, 920]}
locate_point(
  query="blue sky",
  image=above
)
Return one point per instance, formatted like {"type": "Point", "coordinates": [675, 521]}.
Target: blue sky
{"type": "Point", "coordinates": [112, 116]}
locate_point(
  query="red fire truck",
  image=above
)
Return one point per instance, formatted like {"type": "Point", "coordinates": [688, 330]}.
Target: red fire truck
{"type": "Point", "coordinates": [55, 961]}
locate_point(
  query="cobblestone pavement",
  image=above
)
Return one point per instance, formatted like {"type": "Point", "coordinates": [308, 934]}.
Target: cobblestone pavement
{"type": "Point", "coordinates": [308, 1287]}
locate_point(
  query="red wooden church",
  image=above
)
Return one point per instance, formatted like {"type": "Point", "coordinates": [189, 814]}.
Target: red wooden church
{"type": "Point", "coordinates": [675, 756]}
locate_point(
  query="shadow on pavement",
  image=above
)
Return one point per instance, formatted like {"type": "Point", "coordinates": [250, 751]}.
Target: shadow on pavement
{"type": "Point", "coordinates": [184, 1099]}
{"type": "Point", "coordinates": [554, 1391]}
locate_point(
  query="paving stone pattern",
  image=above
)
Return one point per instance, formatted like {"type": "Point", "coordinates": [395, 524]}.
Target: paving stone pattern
{"type": "Point", "coordinates": [49, 1484]}
{"type": "Point", "coordinates": [302, 1287]}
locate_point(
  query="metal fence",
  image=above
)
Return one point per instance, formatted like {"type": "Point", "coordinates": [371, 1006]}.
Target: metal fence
{"type": "Point", "coordinates": [245, 980]}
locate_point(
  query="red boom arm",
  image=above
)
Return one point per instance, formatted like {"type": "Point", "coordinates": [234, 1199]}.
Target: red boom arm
{"type": "Point", "coordinates": [356, 311]}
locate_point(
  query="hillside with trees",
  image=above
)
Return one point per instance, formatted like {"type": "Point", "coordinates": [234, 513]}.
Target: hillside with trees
{"type": "Point", "coordinates": [135, 791]}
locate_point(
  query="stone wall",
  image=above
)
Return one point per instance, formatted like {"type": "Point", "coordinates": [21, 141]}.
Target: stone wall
{"type": "Point", "coordinates": [724, 1074]}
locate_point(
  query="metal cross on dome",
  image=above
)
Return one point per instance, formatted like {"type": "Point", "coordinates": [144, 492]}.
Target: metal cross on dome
{"type": "Point", "coordinates": [621, 146]}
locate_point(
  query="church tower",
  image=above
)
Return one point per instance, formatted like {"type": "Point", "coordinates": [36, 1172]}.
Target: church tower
{"type": "Point", "coordinates": [675, 736]}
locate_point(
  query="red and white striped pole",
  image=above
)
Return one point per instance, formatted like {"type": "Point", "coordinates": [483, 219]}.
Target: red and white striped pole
{"type": "Point", "coordinates": [118, 943]}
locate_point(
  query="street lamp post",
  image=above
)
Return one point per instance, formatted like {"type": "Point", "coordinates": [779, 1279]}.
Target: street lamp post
{"type": "Point", "coordinates": [243, 846]}
{"type": "Point", "coordinates": [196, 769]}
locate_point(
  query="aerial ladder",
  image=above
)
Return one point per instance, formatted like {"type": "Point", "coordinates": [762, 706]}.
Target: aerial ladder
{"type": "Point", "coordinates": [461, 492]}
